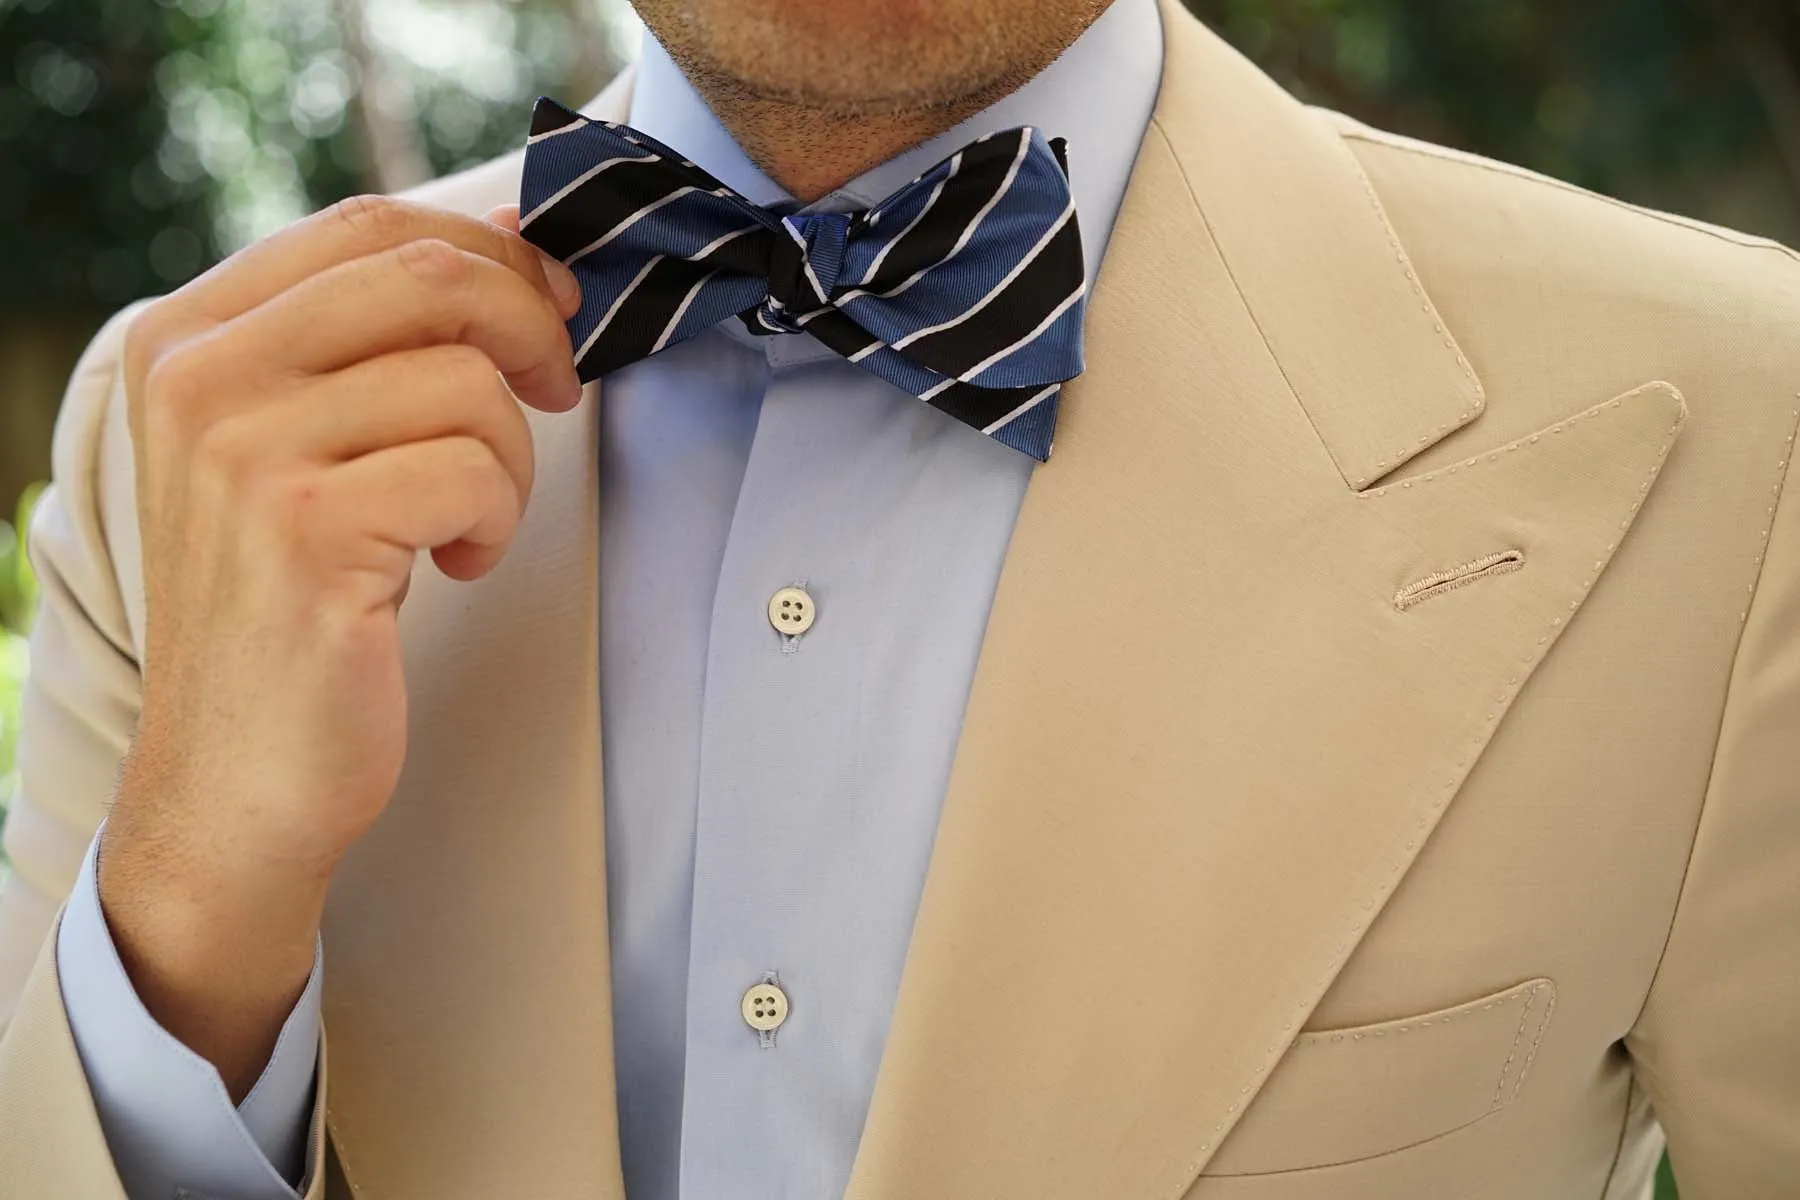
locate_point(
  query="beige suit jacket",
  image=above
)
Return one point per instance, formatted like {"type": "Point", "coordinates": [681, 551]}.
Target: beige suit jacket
{"type": "Point", "coordinates": [1381, 779]}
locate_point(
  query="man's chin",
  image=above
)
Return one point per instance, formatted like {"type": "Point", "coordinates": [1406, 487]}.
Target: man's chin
{"type": "Point", "coordinates": [849, 58]}
{"type": "Point", "coordinates": [850, 88]}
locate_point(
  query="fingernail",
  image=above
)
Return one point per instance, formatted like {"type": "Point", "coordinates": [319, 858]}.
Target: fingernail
{"type": "Point", "coordinates": [562, 281]}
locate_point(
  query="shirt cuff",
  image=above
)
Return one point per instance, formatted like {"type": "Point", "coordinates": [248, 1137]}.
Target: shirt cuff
{"type": "Point", "coordinates": [168, 1120]}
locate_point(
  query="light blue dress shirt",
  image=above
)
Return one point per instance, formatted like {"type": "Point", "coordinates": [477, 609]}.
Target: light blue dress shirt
{"type": "Point", "coordinates": [771, 801]}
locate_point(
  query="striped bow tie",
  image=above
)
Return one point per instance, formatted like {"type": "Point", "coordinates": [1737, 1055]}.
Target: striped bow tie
{"type": "Point", "coordinates": [965, 287]}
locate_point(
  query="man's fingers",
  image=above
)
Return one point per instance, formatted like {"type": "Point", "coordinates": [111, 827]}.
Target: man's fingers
{"type": "Point", "coordinates": [412, 396]}
{"type": "Point", "coordinates": [359, 227]}
{"type": "Point", "coordinates": [506, 216]}
{"type": "Point", "coordinates": [448, 495]}
{"type": "Point", "coordinates": [415, 295]}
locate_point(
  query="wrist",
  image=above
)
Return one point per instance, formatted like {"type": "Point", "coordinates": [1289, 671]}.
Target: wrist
{"type": "Point", "coordinates": [217, 953]}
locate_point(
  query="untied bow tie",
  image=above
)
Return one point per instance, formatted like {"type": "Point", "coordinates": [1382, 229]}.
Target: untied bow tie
{"type": "Point", "coordinates": [965, 287]}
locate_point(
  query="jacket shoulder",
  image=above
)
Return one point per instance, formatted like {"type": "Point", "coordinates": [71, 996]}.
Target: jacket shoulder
{"type": "Point", "coordinates": [1534, 273]}
{"type": "Point", "coordinates": [1394, 152]}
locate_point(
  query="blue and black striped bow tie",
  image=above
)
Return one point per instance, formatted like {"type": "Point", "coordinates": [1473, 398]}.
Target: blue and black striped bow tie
{"type": "Point", "coordinates": [965, 287]}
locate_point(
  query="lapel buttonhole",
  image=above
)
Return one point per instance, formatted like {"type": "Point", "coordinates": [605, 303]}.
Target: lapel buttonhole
{"type": "Point", "coordinates": [1437, 584]}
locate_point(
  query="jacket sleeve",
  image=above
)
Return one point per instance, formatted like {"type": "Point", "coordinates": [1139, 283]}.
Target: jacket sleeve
{"type": "Point", "coordinates": [1717, 1045]}
{"type": "Point", "coordinates": [80, 712]}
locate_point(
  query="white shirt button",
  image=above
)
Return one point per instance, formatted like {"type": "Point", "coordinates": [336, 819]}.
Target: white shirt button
{"type": "Point", "coordinates": [791, 611]}
{"type": "Point", "coordinates": [765, 1007]}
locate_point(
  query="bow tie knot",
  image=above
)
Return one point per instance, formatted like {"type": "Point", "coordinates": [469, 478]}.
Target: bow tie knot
{"type": "Point", "coordinates": [803, 270]}
{"type": "Point", "coordinates": [965, 287]}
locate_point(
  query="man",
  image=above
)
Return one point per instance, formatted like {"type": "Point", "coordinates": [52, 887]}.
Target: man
{"type": "Point", "coordinates": [1363, 760]}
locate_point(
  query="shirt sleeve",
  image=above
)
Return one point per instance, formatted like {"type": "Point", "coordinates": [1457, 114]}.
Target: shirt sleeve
{"type": "Point", "coordinates": [168, 1118]}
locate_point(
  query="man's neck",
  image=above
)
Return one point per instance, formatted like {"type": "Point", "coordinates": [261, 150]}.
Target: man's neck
{"type": "Point", "coordinates": [810, 150]}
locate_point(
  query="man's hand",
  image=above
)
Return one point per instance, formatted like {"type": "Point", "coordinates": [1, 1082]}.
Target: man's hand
{"type": "Point", "coordinates": [306, 417]}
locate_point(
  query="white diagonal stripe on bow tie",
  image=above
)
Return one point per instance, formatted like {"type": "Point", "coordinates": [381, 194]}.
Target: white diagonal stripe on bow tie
{"type": "Point", "coordinates": [1049, 320]}
{"type": "Point", "coordinates": [1012, 173]}
{"type": "Point", "coordinates": [580, 179]}
{"type": "Point", "coordinates": [687, 302]}
{"type": "Point", "coordinates": [545, 136]}
{"type": "Point", "coordinates": [937, 191]}
{"type": "Point", "coordinates": [1067, 212]}
{"type": "Point", "coordinates": [1020, 411]}
{"type": "Point", "coordinates": [806, 264]}
{"type": "Point", "coordinates": [588, 342]}
{"type": "Point", "coordinates": [637, 216]}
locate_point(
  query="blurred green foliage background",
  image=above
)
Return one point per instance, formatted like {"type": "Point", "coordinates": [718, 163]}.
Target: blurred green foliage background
{"type": "Point", "coordinates": [140, 140]}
